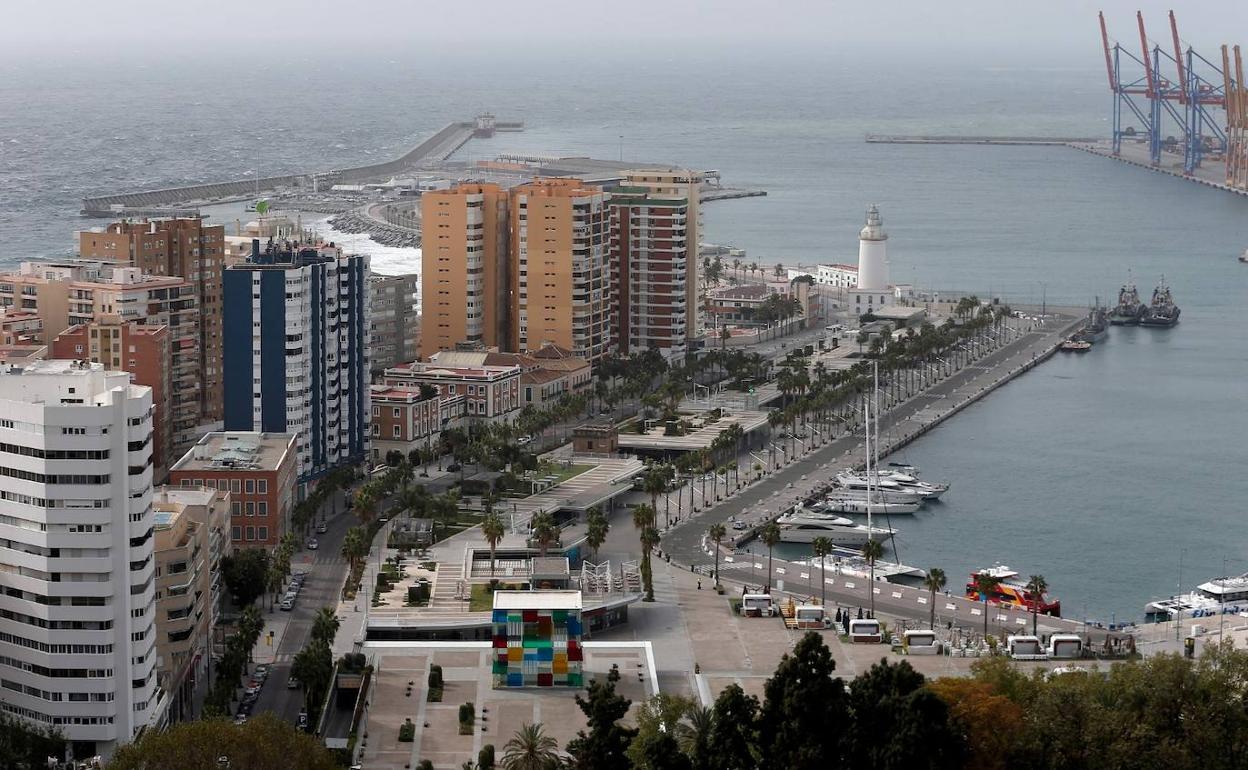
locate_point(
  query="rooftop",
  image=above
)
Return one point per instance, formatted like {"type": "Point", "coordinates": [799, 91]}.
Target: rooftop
{"type": "Point", "coordinates": [752, 291]}
{"type": "Point", "coordinates": [537, 600]}
{"type": "Point", "coordinates": [237, 450]}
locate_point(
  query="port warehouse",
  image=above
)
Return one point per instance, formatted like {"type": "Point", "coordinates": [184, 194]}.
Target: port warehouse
{"type": "Point", "coordinates": [437, 147]}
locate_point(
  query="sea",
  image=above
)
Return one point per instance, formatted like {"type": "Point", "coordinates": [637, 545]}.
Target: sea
{"type": "Point", "coordinates": [1104, 472]}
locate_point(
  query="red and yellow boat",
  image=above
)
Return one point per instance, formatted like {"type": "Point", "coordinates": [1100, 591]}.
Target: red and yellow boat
{"type": "Point", "coordinates": [1012, 590]}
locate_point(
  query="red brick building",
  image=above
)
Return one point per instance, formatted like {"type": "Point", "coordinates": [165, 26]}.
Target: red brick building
{"type": "Point", "coordinates": [258, 469]}
{"type": "Point", "coordinates": [405, 418]}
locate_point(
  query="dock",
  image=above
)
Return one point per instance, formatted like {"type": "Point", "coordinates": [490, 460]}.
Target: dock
{"type": "Point", "coordinates": [1053, 141]}
{"type": "Point", "coordinates": [435, 149]}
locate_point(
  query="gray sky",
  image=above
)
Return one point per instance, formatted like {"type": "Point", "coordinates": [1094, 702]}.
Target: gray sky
{"type": "Point", "coordinates": [65, 27]}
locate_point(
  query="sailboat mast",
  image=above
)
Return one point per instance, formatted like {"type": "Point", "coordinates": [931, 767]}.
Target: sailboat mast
{"type": "Point", "coordinates": [866, 413]}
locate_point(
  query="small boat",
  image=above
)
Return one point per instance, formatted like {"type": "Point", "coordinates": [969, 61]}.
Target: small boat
{"type": "Point", "coordinates": [1073, 345]}
{"type": "Point", "coordinates": [1244, 257]}
{"type": "Point", "coordinates": [1211, 598]}
{"type": "Point", "coordinates": [1012, 590]}
{"type": "Point", "coordinates": [858, 505]}
{"type": "Point", "coordinates": [803, 526]}
{"type": "Point", "coordinates": [1129, 309]}
{"type": "Point", "coordinates": [885, 489]}
{"type": "Point", "coordinates": [1161, 311]}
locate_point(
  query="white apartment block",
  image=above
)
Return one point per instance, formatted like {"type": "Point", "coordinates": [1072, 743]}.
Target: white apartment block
{"type": "Point", "coordinates": [77, 620]}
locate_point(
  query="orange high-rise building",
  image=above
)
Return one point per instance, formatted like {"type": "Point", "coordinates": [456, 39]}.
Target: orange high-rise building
{"type": "Point", "coordinates": [560, 275]}
{"type": "Point", "coordinates": [463, 283]}
{"type": "Point", "coordinates": [186, 248]}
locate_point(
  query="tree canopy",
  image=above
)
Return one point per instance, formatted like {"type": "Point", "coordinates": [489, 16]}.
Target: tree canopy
{"type": "Point", "coordinates": [264, 742]}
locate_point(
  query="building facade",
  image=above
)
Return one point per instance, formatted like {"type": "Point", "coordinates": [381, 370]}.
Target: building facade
{"type": "Point", "coordinates": [490, 392]}
{"type": "Point", "coordinates": [560, 270]}
{"type": "Point", "coordinates": [678, 183]}
{"type": "Point", "coordinates": [184, 247]}
{"type": "Point", "coordinates": [837, 276]}
{"type": "Point", "coordinates": [77, 594]}
{"type": "Point", "coordinates": [650, 264]}
{"type": "Point", "coordinates": [407, 418]}
{"type": "Point", "coordinates": [73, 293]}
{"type": "Point", "coordinates": [144, 352]}
{"type": "Point", "coordinates": [537, 639]}
{"type": "Point", "coordinates": [306, 369]}
{"type": "Point", "coordinates": [259, 472]}
{"type": "Point", "coordinates": [394, 323]}
{"type": "Point", "coordinates": [464, 281]}
{"type": "Point", "coordinates": [192, 531]}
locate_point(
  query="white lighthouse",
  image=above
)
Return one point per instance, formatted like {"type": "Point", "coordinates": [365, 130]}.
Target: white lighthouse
{"type": "Point", "coordinates": [873, 254]}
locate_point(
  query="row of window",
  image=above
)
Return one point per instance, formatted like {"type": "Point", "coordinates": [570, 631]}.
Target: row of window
{"type": "Point", "coordinates": [234, 486]}
{"type": "Point", "coordinates": [57, 649]}
{"type": "Point", "coordinates": [254, 534]}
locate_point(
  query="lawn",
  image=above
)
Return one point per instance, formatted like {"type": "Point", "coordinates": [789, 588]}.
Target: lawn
{"type": "Point", "coordinates": [482, 600]}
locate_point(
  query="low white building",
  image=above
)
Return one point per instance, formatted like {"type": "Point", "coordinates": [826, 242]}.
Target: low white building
{"type": "Point", "coordinates": [77, 588]}
{"type": "Point", "coordinates": [837, 276]}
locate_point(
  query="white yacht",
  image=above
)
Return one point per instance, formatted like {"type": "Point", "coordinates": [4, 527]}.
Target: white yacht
{"type": "Point", "coordinates": [1209, 599]}
{"type": "Point", "coordinates": [929, 489]}
{"type": "Point", "coordinates": [885, 489]}
{"type": "Point", "coordinates": [847, 502]}
{"type": "Point", "coordinates": [803, 526]}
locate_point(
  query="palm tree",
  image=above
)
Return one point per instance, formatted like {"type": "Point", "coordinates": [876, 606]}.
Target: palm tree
{"type": "Point", "coordinates": [274, 580]}
{"type": "Point", "coordinates": [717, 532]}
{"type": "Point", "coordinates": [822, 547]}
{"type": "Point", "coordinates": [778, 271]}
{"type": "Point", "coordinates": [493, 530]}
{"type": "Point", "coordinates": [986, 586]}
{"type": "Point", "coordinates": [1036, 586]}
{"type": "Point", "coordinates": [754, 268]}
{"type": "Point", "coordinates": [643, 520]}
{"type": "Point", "coordinates": [934, 582]}
{"type": "Point", "coordinates": [544, 531]}
{"type": "Point", "coordinates": [325, 625]}
{"type": "Point", "coordinates": [770, 537]}
{"type": "Point", "coordinates": [596, 529]}
{"type": "Point", "coordinates": [654, 483]}
{"type": "Point", "coordinates": [531, 749]}
{"type": "Point", "coordinates": [871, 551]}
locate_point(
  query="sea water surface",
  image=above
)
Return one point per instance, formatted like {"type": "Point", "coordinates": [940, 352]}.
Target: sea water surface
{"type": "Point", "coordinates": [1099, 471]}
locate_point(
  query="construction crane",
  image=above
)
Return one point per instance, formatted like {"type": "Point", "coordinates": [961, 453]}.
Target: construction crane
{"type": "Point", "coordinates": [1236, 95]}
{"type": "Point", "coordinates": [1203, 88]}
{"type": "Point", "coordinates": [1125, 88]}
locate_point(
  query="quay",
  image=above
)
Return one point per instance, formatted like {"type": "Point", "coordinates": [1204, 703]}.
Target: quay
{"type": "Point", "coordinates": [435, 149]}
{"type": "Point", "coordinates": [954, 139]}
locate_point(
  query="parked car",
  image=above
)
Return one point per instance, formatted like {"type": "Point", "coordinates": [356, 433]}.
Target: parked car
{"type": "Point", "coordinates": [453, 467]}
{"type": "Point", "coordinates": [288, 604]}
{"type": "Point", "coordinates": [524, 440]}
{"type": "Point", "coordinates": [262, 672]}
{"type": "Point", "coordinates": [313, 544]}
{"type": "Point", "coordinates": [322, 528]}
{"type": "Point", "coordinates": [292, 683]}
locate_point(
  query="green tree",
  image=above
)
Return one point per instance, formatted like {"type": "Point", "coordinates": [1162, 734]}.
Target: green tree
{"type": "Point", "coordinates": [804, 715]}
{"type": "Point", "coordinates": [325, 625]}
{"type": "Point", "coordinates": [544, 530]}
{"type": "Point", "coordinates": [24, 745]}
{"type": "Point", "coordinates": [245, 574]}
{"type": "Point", "coordinates": [265, 742]}
{"type": "Point", "coordinates": [1036, 586]}
{"type": "Point", "coordinates": [492, 529]}
{"type": "Point", "coordinates": [986, 586]}
{"type": "Point", "coordinates": [604, 745]}
{"type": "Point", "coordinates": [822, 547]}
{"type": "Point", "coordinates": [643, 520]}
{"type": "Point", "coordinates": [872, 550]}
{"type": "Point", "coordinates": [659, 723]}
{"type": "Point", "coordinates": [717, 532]}
{"type": "Point", "coordinates": [771, 538]}
{"type": "Point", "coordinates": [531, 749]}
{"type": "Point", "coordinates": [596, 529]}
{"type": "Point", "coordinates": [934, 583]}
{"type": "Point", "coordinates": [732, 743]}
{"type": "Point", "coordinates": [355, 546]}
{"type": "Point", "coordinates": [313, 666]}
{"type": "Point", "coordinates": [898, 723]}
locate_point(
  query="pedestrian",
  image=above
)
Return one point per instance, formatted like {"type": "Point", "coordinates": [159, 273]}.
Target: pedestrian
{"type": "Point", "coordinates": [699, 584]}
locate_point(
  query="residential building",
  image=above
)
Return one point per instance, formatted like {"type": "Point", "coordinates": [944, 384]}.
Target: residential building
{"type": "Point", "coordinates": [305, 311]}
{"type": "Point", "coordinates": [144, 352]}
{"type": "Point", "coordinates": [258, 470]}
{"type": "Point", "coordinates": [192, 531]}
{"type": "Point", "coordinates": [838, 276]}
{"type": "Point", "coordinates": [580, 375]}
{"type": "Point", "coordinates": [407, 417]}
{"type": "Point", "coordinates": [545, 375]}
{"type": "Point", "coordinates": [394, 322]}
{"type": "Point", "coordinates": [77, 597]}
{"type": "Point", "coordinates": [681, 184]}
{"type": "Point", "coordinates": [74, 292]}
{"type": "Point", "coordinates": [21, 337]}
{"type": "Point", "coordinates": [185, 247]}
{"type": "Point", "coordinates": [464, 278]}
{"type": "Point", "coordinates": [559, 271]}
{"type": "Point", "coordinates": [650, 264]}
{"type": "Point", "coordinates": [491, 392]}
{"type": "Point", "coordinates": [738, 304]}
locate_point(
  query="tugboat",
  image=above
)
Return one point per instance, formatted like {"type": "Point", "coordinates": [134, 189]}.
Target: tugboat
{"type": "Point", "coordinates": [1012, 590]}
{"type": "Point", "coordinates": [1162, 311]}
{"type": "Point", "coordinates": [1129, 309]}
{"type": "Point", "coordinates": [1075, 345]}
{"type": "Point", "coordinates": [1097, 326]}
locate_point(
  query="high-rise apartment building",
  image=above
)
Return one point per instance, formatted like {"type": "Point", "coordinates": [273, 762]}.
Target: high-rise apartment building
{"type": "Point", "coordinates": [393, 320]}
{"type": "Point", "coordinates": [559, 271]}
{"type": "Point", "coordinates": [679, 183]}
{"type": "Point", "coordinates": [77, 626]}
{"type": "Point", "coordinates": [650, 258]}
{"type": "Point", "coordinates": [192, 531]}
{"type": "Point", "coordinates": [74, 292]}
{"type": "Point", "coordinates": [144, 352]}
{"type": "Point", "coordinates": [464, 280]}
{"type": "Point", "coordinates": [297, 362]}
{"type": "Point", "coordinates": [259, 472]}
{"type": "Point", "coordinates": [184, 247]}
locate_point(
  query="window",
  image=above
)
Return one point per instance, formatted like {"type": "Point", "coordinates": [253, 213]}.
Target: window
{"type": "Point", "coordinates": [396, 411]}
{"type": "Point", "coordinates": [262, 486]}
{"type": "Point", "coordinates": [236, 533]}
{"type": "Point", "coordinates": [236, 508]}
{"type": "Point", "coordinates": [262, 508]}
{"type": "Point", "coordinates": [398, 431]}
{"type": "Point", "coordinates": [251, 533]}
{"type": "Point", "coordinates": [251, 508]}
{"type": "Point", "coordinates": [235, 486]}
{"type": "Point", "coordinates": [264, 533]}
{"type": "Point", "coordinates": [251, 486]}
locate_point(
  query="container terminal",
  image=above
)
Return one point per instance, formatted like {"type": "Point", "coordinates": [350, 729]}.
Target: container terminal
{"type": "Point", "coordinates": [1173, 110]}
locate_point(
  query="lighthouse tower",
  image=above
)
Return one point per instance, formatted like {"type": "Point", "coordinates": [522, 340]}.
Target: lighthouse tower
{"type": "Point", "coordinates": [873, 254]}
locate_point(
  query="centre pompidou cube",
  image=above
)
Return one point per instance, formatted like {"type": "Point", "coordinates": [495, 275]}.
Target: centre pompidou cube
{"type": "Point", "coordinates": [537, 639]}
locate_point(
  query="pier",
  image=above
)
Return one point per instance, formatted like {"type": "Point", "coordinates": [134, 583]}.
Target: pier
{"type": "Point", "coordinates": [435, 149]}
{"type": "Point", "coordinates": [1052, 141]}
